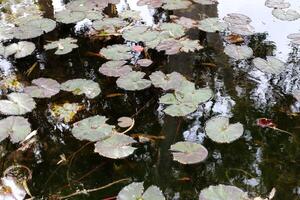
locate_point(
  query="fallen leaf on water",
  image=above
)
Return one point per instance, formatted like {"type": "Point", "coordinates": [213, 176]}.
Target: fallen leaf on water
{"type": "Point", "coordinates": [114, 95]}
{"type": "Point", "coordinates": [234, 39]}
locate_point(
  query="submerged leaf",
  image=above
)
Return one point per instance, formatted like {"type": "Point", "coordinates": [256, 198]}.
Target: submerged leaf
{"type": "Point", "coordinates": [116, 146]}
{"type": "Point", "coordinates": [170, 46]}
{"type": "Point", "coordinates": [270, 65]}
{"type": "Point", "coordinates": [17, 104]}
{"type": "Point", "coordinates": [43, 88]}
{"type": "Point", "coordinates": [80, 86]}
{"type": "Point", "coordinates": [133, 81]}
{"type": "Point", "coordinates": [15, 127]}
{"type": "Point", "coordinates": [188, 152]}
{"type": "Point", "coordinates": [223, 192]}
{"type": "Point", "coordinates": [219, 130]}
{"type": "Point", "coordinates": [92, 129]}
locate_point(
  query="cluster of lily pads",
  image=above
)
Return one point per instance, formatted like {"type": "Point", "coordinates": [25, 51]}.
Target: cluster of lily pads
{"type": "Point", "coordinates": [180, 96]}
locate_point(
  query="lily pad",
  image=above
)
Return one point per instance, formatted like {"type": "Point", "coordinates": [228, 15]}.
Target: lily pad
{"type": "Point", "coordinates": [242, 29]}
{"type": "Point", "coordinates": [15, 127]}
{"type": "Point", "coordinates": [281, 4]}
{"type": "Point", "coordinates": [62, 46]}
{"type": "Point", "coordinates": [170, 46]}
{"type": "Point", "coordinates": [44, 24]}
{"type": "Point", "coordinates": [69, 17]}
{"type": "Point", "coordinates": [188, 152]}
{"type": "Point", "coordinates": [133, 81]}
{"type": "Point", "coordinates": [130, 14]}
{"type": "Point", "coordinates": [238, 52]}
{"type": "Point", "coordinates": [212, 25]}
{"type": "Point", "coordinates": [150, 3]}
{"type": "Point", "coordinates": [176, 4]}
{"type": "Point", "coordinates": [223, 192]}
{"type": "Point", "coordinates": [175, 30]}
{"type": "Point", "coordinates": [116, 146]}
{"type": "Point", "coordinates": [206, 2]}
{"type": "Point", "coordinates": [125, 122]}
{"type": "Point", "coordinates": [109, 24]}
{"type": "Point", "coordinates": [190, 45]}
{"type": "Point", "coordinates": [26, 32]}
{"type": "Point", "coordinates": [92, 129]}
{"type": "Point", "coordinates": [186, 22]}
{"type": "Point", "coordinates": [115, 68]}
{"type": "Point", "coordinates": [65, 112]}
{"type": "Point", "coordinates": [171, 81]}
{"type": "Point", "coordinates": [117, 52]}
{"type": "Point", "coordinates": [144, 62]}
{"type": "Point", "coordinates": [20, 49]}
{"type": "Point", "coordinates": [286, 15]}
{"type": "Point", "coordinates": [17, 104]}
{"type": "Point", "coordinates": [80, 86]}
{"type": "Point", "coordinates": [135, 191]}
{"type": "Point", "coordinates": [270, 65]}
{"type": "Point", "coordinates": [219, 130]}
{"type": "Point", "coordinates": [185, 100]}
{"type": "Point", "coordinates": [43, 88]}
{"type": "Point", "coordinates": [295, 37]}
{"type": "Point", "coordinates": [237, 19]}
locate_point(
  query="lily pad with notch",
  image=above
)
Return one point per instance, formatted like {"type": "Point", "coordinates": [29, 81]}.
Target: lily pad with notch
{"type": "Point", "coordinates": [171, 81]}
{"type": "Point", "coordinates": [19, 50]}
{"type": "Point", "coordinates": [43, 88]}
{"type": "Point", "coordinates": [115, 68]}
{"type": "Point", "coordinates": [238, 52]}
{"type": "Point", "coordinates": [212, 25]}
{"type": "Point", "coordinates": [17, 104]}
{"type": "Point", "coordinates": [223, 192]}
{"type": "Point", "coordinates": [62, 46]}
{"type": "Point", "coordinates": [133, 81]}
{"type": "Point", "coordinates": [286, 15]}
{"type": "Point", "coordinates": [117, 52]}
{"type": "Point", "coordinates": [271, 65]}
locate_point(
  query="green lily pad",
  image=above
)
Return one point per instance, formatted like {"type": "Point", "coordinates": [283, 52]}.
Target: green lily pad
{"type": "Point", "coordinates": [281, 4]}
{"type": "Point", "coordinates": [26, 32]}
{"type": "Point", "coordinates": [185, 100]}
{"type": "Point", "coordinates": [133, 81]}
{"type": "Point", "coordinates": [190, 45]}
{"type": "Point", "coordinates": [238, 52]}
{"type": "Point", "coordinates": [109, 24]}
{"type": "Point", "coordinates": [188, 152]}
{"type": "Point", "coordinates": [206, 2]}
{"type": "Point", "coordinates": [270, 65]}
{"type": "Point", "coordinates": [144, 62]}
{"type": "Point", "coordinates": [242, 29]}
{"type": "Point", "coordinates": [92, 129]}
{"type": "Point", "coordinates": [62, 46]}
{"type": "Point", "coordinates": [6, 32]}
{"type": "Point", "coordinates": [286, 15]}
{"type": "Point", "coordinates": [134, 191]}
{"type": "Point", "coordinates": [80, 86]}
{"type": "Point", "coordinates": [115, 68]}
{"type": "Point", "coordinates": [20, 49]}
{"type": "Point", "coordinates": [116, 146]}
{"type": "Point", "coordinates": [219, 130]}
{"type": "Point", "coordinates": [150, 3]}
{"type": "Point", "coordinates": [44, 24]}
{"type": "Point", "coordinates": [117, 52]}
{"type": "Point", "coordinates": [43, 88]}
{"type": "Point", "coordinates": [17, 104]}
{"type": "Point", "coordinates": [295, 38]}
{"type": "Point", "coordinates": [212, 25]}
{"type": "Point", "coordinates": [15, 127]}
{"type": "Point", "coordinates": [176, 4]}
{"type": "Point", "coordinates": [174, 30]}
{"type": "Point", "coordinates": [223, 192]}
{"type": "Point", "coordinates": [170, 46]}
{"type": "Point", "coordinates": [130, 14]}
{"type": "Point", "coordinates": [140, 33]}
{"type": "Point", "coordinates": [69, 17]}
{"type": "Point", "coordinates": [171, 81]}
{"type": "Point", "coordinates": [237, 19]}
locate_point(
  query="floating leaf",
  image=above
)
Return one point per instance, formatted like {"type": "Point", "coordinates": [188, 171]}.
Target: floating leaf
{"type": "Point", "coordinates": [44, 24]}
{"type": "Point", "coordinates": [80, 86]}
{"type": "Point", "coordinates": [242, 29]}
{"type": "Point", "coordinates": [134, 191]}
{"type": "Point", "coordinates": [186, 22]}
{"type": "Point", "coordinates": [117, 52]}
{"type": "Point", "coordinates": [69, 17]}
{"type": "Point", "coordinates": [206, 2]}
{"type": "Point", "coordinates": [295, 37]}
{"type": "Point", "coordinates": [219, 130]}
{"type": "Point", "coordinates": [238, 52]}
{"type": "Point", "coordinates": [286, 15]}
{"type": "Point", "coordinates": [11, 189]}
{"type": "Point", "coordinates": [62, 46]}
{"type": "Point", "coordinates": [270, 65]}
{"type": "Point", "coordinates": [20, 49]}
{"type": "Point", "coordinates": [125, 122]}
{"type": "Point", "coordinates": [116, 146]}
{"type": "Point", "coordinates": [190, 45]}
{"type": "Point", "coordinates": [6, 32]}
{"type": "Point", "coordinates": [115, 68]}
{"type": "Point", "coordinates": [15, 127]}
{"type": "Point", "coordinates": [170, 46]}
{"type": "Point", "coordinates": [237, 19]}
{"type": "Point", "coordinates": [144, 62]}
{"type": "Point", "coordinates": [175, 30]}
{"type": "Point", "coordinates": [109, 24]}
{"type": "Point", "coordinates": [223, 192]}
{"type": "Point", "coordinates": [17, 104]}
{"type": "Point", "coordinates": [176, 4]}
{"type": "Point", "coordinates": [185, 100]}
{"type": "Point", "coordinates": [281, 4]}
{"type": "Point", "coordinates": [92, 129]}
{"type": "Point", "coordinates": [65, 112]}
{"type": "Point", "coordinates": [26, 32]}
{"type": "Point", "coordinates": [130, 14]}
{"type": "Point", "coordinates": [188, 152]}
{"type": "Point", "coordinates": [43, 88]}
{"type": "Point", "coordinates": [212, 25]}
{"type": "Point", "coordinates": [133, 81]}
{"type": "Point", "coordinates": [171, 81]}
{"type": "Point", "coordinates": [150, 3]}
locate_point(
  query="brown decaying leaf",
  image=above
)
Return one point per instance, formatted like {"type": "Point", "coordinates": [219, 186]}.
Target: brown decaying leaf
{"type": "Point", "coordinates": [234, 39]}
{"type": "Point", "coordinates": [114, 95]}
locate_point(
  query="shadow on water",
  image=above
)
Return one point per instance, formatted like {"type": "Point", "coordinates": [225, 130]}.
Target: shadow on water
{"type": "Point", "coordinates": [257, 162]}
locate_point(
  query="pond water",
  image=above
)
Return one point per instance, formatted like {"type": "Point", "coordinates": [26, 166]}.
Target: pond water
{"type": "Point", "coordinates": [262, 159]}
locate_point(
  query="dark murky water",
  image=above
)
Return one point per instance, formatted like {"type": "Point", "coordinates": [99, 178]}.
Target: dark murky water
{"type": "Point", "coordinates": [257, 162]}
